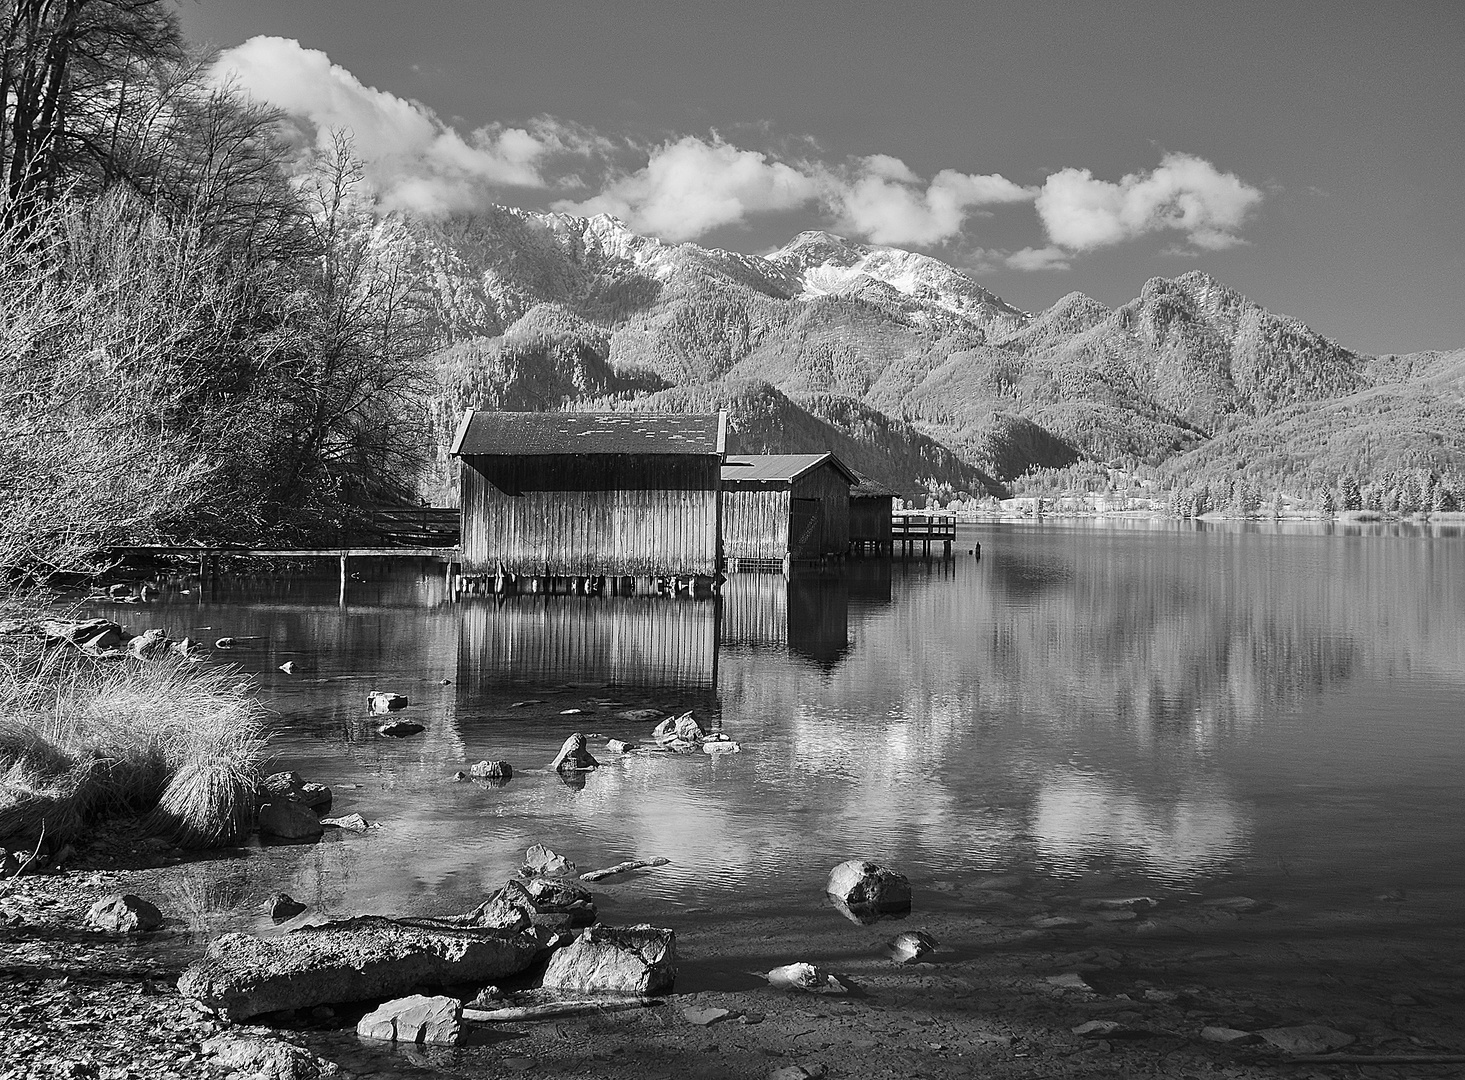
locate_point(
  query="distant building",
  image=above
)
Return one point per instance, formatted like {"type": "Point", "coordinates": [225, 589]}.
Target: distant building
{"type": "Point", "coordinates": [778, 507]}
{"type": "Point", "coordinates": [870, 508]}
{"type": "Point", "coordinates": [589, 494]}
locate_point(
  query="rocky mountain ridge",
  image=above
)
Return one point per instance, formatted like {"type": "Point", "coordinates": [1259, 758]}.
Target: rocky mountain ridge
{"type": "Point", "coordinates": [906, 363]}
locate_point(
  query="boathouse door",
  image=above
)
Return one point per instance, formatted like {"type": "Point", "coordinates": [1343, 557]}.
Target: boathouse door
{"type": "Point", "coordinates": [805, 529]}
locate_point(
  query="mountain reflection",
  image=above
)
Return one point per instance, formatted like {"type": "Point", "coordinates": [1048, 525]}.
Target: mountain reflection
{"type": "Point", "coordinates": [1178, 835]}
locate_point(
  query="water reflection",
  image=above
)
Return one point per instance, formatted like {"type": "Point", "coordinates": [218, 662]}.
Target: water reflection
{"type": "Point", "coordinates": [629, 641]}
{"type": "Point", "coordinates": [1173, 835]}
{"type": "Point", "coordinates": [1166, 700]}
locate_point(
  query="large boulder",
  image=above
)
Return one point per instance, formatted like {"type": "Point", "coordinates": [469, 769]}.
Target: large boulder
{"type": "Point", "coordinates": [437, 1021]}
{"type": "Point", "coordinates": [379, 701]}
{"type": "Point", "coordinates": [289, 821]}
{"type": "Point", "coordinates": [123, 913]}
{"type": "Point", "coordinates": [292, 787]}
{"type": "Point", "coordinates": [624, 959]}
{"type": "Point", "coordinates": [866, 890]}
{"type": "Point", "coordinates": [362, 959]}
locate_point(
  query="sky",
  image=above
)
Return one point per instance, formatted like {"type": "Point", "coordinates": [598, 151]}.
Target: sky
{"type": "Point", "coordinates": [1309, 153]}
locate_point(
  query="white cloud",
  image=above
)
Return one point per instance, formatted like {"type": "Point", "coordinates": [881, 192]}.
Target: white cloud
{"type": "Point", "coordinates": [1185, 193]}
{"type": "Point", "coordinates": [883, 201]}
{"type": "Point", "coordinates": [1046, 258]}
{"type": "Point", "coordinates": [690, 187]}
{"type": "Point", "coordinates": [413, 160]}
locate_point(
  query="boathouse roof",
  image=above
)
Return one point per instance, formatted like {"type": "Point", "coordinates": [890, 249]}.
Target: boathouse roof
{"type": "Point", "coordinates": [775, 468]}
{"type": "Point", "coordinates": [869, 488]}
{"type": "Point", "coordinates": [550, 433]}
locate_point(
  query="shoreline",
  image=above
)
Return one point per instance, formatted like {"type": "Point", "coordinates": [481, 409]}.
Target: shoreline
{"type": "Point", "coordinates": [1022, 961]}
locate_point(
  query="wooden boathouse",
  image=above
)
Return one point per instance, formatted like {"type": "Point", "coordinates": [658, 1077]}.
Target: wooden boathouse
{"type": "Point", "coordinates": [582, 496]}
{"type": "Point", "coordinates": [783, 508]}
{"type": "Point", "coordinates": [871, 506]}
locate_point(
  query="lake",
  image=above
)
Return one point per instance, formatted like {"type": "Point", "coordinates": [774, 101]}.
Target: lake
{"type": "Point", "coordinates": [1178, 709]}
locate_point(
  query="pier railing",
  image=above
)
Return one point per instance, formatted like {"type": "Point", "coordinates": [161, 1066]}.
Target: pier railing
{"type": "Point", "coordinates": [908, 530]}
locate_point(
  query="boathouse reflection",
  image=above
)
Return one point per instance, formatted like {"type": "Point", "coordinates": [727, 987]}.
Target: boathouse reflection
{"type": "Point", "coordinates": [631, 641]}
{"type": "Point", "coordinates": [654, 641]}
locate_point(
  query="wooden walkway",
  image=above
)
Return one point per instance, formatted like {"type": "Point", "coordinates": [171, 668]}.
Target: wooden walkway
{"type": "Point", "coordinates": [908, 530]}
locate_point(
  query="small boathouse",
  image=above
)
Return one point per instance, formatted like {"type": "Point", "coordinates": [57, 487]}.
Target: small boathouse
{"type": "Point", "coordinates": [871, 507]}
{"type": "Point", "coordinates": [590, 495]}
{"type": "Point", "coordinates": [783, 508]}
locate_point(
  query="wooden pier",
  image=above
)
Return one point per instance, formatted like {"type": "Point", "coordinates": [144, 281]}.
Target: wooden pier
{"type": "Point", "coordinates": [908, 530]}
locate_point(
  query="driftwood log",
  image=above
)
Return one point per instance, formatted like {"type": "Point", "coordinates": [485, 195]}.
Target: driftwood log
{"type": "Point", "coordinates": [556, 1008]}
{"type": "Point", "coordinates": [621, 868]}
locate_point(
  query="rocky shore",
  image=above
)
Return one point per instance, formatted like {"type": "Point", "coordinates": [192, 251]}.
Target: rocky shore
{"type": "Point", "coordinates": [1028, 978]}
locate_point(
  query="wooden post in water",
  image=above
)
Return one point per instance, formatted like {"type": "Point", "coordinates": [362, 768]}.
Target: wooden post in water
{"type": "Point", "coordinates": [344, 574]}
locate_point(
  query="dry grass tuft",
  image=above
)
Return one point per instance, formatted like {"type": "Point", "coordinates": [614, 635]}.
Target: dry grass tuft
{"type": "Point", "coordinates": [175, 741]}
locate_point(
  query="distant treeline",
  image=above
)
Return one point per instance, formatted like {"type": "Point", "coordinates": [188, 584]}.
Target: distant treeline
{"type": "Point", "coordinates": [1395, 491]}
{"type": "Point", "coordinates": [203, 338]}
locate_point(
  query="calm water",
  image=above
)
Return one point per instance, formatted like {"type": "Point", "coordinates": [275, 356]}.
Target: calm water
{"type": "Point", "coordinates": [1217, 710]}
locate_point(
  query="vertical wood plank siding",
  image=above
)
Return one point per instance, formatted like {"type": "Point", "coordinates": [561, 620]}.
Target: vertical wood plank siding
{"type": "Point", "coordinates": [630, 641]}
{"type": "Point", "coordinates": [832, 492]}
{"type": "Point", "coordinates": [614, 514]}
{"type": "Point", "coordinates": [869, 519]}
{"type": "Point", "coordinates": [755, 522]}
{"type": "Point", "coordinates": [758, 516]}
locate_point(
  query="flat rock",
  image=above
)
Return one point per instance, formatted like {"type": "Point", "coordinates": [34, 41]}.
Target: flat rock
{"type": "Point", "coordinates": [1070, 980]}
{"type": "Point", "coordinates": [1306, 1038]}
{"type": "Point", "coordinates": [289, 821]}
{"type": "Point", "coordinates": [379, 701]}
{"type": "Point", "coordinates": [263, 1056]}
{"type": "Point", "coordinates": [436, 1021]}
{"type": "Point", "coordinates": [1236, 905]}
{"type": "Point", "coordinates": [1057, 922]}
{"type": "Point", "coordinates": [703, 1017]}
{"type": "Point", "coordinates": [124, 913]}
{"type": "Point", "coordinates": [1228, 1036]}
{"type": "Point", "coordinates": [351, 823]}
{"type": "Point", "coordinates": [619, 746]}
{"type": "Point", "coordinates": [1109, 1029]}
{"type": "Point", "coordinates": [1117, 903]}
{"type": "Point", "coordinates": [362, 959]}
{"type": "Point", "coordinates": [797, 1072]}
{"type": "Point", "coordinates": [400, 729]}
{"type": "Point", "coordinates": [491, 770]}
{"type": "Point", "coordinates": [630, 960]}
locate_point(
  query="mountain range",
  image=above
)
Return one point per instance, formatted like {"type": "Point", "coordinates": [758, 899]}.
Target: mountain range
{"type": "Point", "coordinates": [909, 369]}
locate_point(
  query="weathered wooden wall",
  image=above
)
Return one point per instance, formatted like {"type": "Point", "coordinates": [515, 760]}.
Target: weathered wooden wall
{"type": "Point", "coordinates": [829, 488]}
{"type": "Point", "coordinates": [583, 516]}
{"type": "Point", "coordinates": [628, 641]}
{"type": "Point", "coordinates": [755, 522]}
{"type": "Point", "coordinates": [869, 519]}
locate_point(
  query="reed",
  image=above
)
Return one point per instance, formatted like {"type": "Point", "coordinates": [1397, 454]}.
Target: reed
{"type": "Point", "coordinates": [175, 743]}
